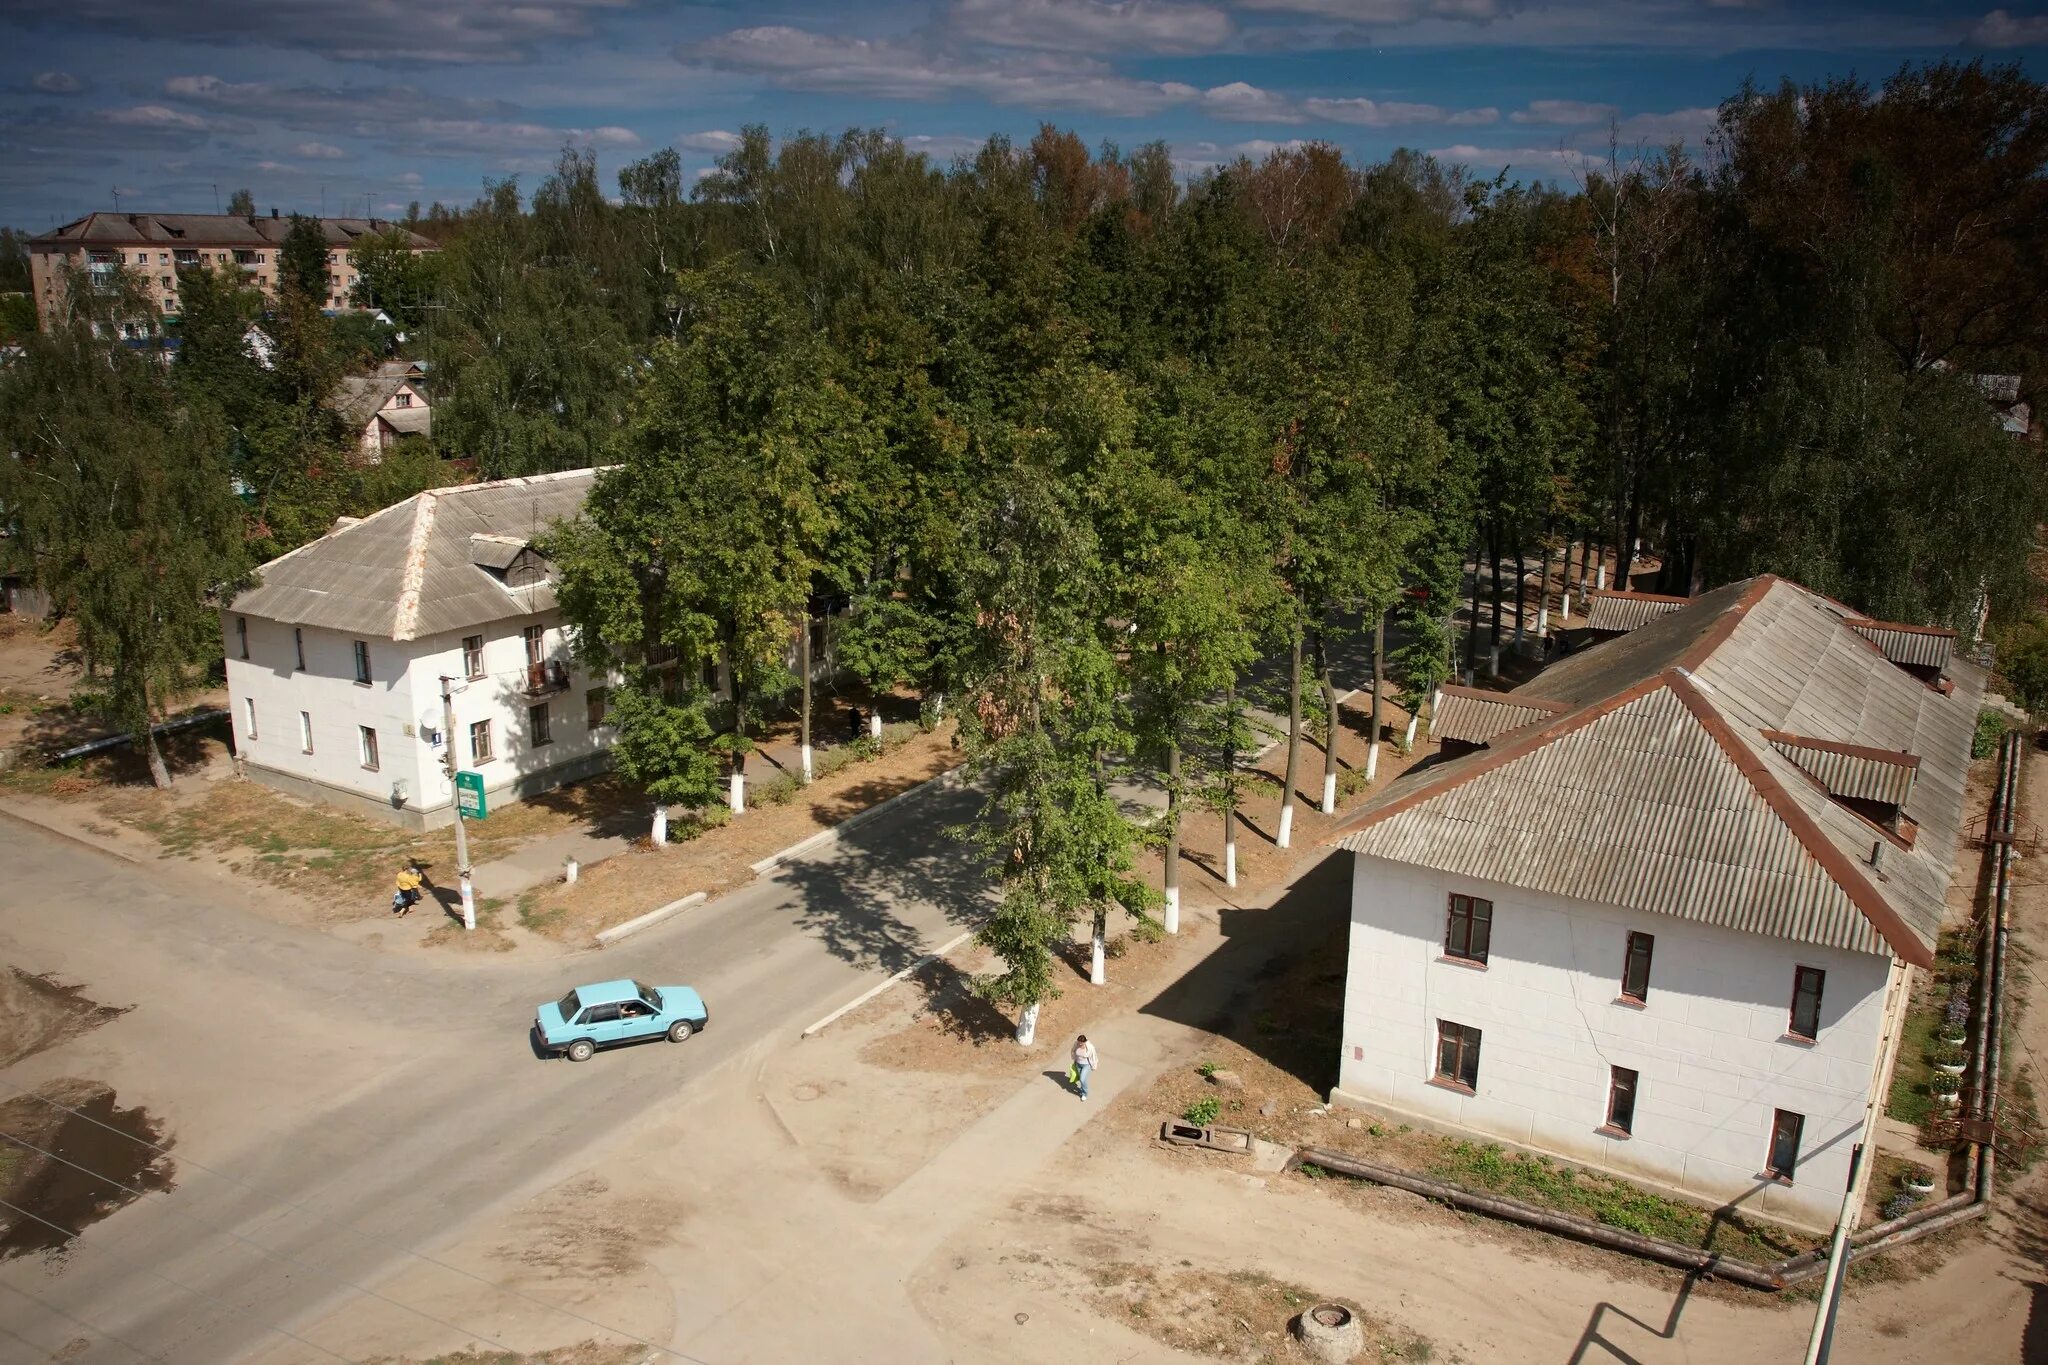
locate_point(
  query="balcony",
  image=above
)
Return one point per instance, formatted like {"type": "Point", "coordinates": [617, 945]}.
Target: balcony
{"type": "Point", "coordinates": [545, 677]}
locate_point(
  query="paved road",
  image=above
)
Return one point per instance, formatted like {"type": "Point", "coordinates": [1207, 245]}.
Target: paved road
{"type": "Point", "coordinates": [333, 1109]}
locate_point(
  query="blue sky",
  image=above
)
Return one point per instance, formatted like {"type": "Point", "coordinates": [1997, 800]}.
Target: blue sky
{"type": "Point", "coordinates": [347, 103]}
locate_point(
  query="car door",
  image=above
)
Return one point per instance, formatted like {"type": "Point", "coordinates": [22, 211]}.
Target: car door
{"type": "Point", "coordinates": [638, 1020]}
{"type": "Point", "coordinates": [600, 1024]}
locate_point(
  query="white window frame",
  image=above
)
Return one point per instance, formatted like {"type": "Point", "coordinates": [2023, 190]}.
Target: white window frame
{"type": "Point", "coordinates": [249, 717]}
{"type": "Point", "coordinates": [306, 732]}
{"type": "Point", "coordinates": [366, 745]}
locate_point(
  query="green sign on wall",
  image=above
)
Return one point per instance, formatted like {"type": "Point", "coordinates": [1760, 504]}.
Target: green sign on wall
{"type": "Point", "coordinates": [469, 795]}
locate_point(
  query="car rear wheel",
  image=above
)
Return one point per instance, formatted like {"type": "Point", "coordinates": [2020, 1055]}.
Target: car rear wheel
{"type": "Point", "coordinates": [580, 1050]}
{"type": "Point", "coordinates": [680, 1031]}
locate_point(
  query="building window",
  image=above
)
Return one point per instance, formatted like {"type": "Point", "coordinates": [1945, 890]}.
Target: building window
{"type": "Point", "coordinates": [306, 731]}
{"type": "Point", "coordinates": [596, 704]}
{"type": "Point", "coordinates": [1806, 984]}
{"type": "Point", "coordinates": [249, 717]}
{"type": "Point", "coordinates": [299, 647]}
{"type": "Point", "coordinates": [362, 663]}
{"type": "Point", "coordinates": [368, 738]}
{"type": "Point", "coordinates": [473, 657]}
{"type": "Point", "coordinates": [1457, 1054]}
{"type": "Point", "coordinates": [479, 742]}
{"type": "Point", "coordinates": [1470, 931]}
{"type": "Point", "coordinates": [536, 644]}
{"type": "Point", "coordinates": [1621, 1100]}
{"type": "Point", "coordinates": [1785, 1129]}
{"type": "Point", "coordinates": [166, 281]}
{"type": "Point", "coordinates": [538, 731]}
{"type": "Point", "coordinates": [404, 399]}
{"type": "Point", "coordinates": [242, 634]}
{"type": "Point", "coordinates": [1635, 971]}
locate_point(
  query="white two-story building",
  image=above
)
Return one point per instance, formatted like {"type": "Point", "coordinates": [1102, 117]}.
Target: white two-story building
{"type": "Point", "coordinates": [1655, 911]}
{"type": "Point", "coordinates": [335, 659]}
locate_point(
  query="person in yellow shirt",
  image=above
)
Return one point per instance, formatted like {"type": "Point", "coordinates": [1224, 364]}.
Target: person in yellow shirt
{"type": "Point", "coordinates": [408, 893]}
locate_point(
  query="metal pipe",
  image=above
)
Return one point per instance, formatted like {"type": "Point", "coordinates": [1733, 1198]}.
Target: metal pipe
{"type": "Point", "coordinates": [111, 741]}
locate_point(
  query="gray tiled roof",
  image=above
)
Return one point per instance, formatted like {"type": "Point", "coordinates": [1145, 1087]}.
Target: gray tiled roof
{"type": "Point", "coordinates": [409, 570]}
{"type": "Point", "coordinates": [1475, 717]}
{"type": "Point", "coordinates": [209, 229]}
{"type": "Point", "coordinates": [1622, 611]}
{"type": "Point", "coordinates": [1659, 789]}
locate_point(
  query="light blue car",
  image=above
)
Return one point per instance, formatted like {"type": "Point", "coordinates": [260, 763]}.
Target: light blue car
{"type": "Point", "coordinates": [611, 1012]}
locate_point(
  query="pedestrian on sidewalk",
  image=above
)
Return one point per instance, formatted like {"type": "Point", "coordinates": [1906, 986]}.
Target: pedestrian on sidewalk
{"type": "Point", "coordinates": [1084, 1063]}
{"type": "Point", "coordinates": [408, 892]}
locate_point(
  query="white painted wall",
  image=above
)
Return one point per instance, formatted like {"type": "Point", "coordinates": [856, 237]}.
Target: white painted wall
{"type": "Point", "coordinates": [1709, 1044]}
{"type": "Point", "coordinates": [405, 689]}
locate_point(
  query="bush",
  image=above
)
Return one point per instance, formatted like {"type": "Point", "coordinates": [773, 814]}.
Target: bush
{"type": "Point", "coordinates": [1206, 1069]}
{"type": "Point", "coordinates": [777, 791]}
{"type": "Point", "coordinates": [1991, 728]}
{"type": "Point", "coordinates": [1941, 1083]}
{"type": "Point", "coordinates": [1948, 1054]}
{"type": "Point", "coordinates": [1203, 1111]}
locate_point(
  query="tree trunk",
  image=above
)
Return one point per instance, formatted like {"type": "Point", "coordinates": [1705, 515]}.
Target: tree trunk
{"type": "Point", "coordinates": [1286, 832]}
{"type": "Point", "coordinates": [1625, 557]}
{"type": "Point", "coordinates": [1472, 626]}
{"type": "Point", "coordinates": [1521, 594]}
{"type": "Point", "coordinates": [159, 771]}
{"type": "Point", "coordinates": [1230, 785]}
{"type": "Point", "coordinates": [1027, 1025]}
{"type": "Point", "coordinates": [1332, 726]}
{"type": "Point", "coordinates": [1096, 976]}
{"type": "Point", "coordinates": [1379, 684]}
{"type": "Point", "coordinates": [1493, 589]}
{"type": "Point", "coordinates": [1170, 873]}
{"type": "Point", "coordinates": [658, 834]}
{"type": "Point", "coordinates": [803, 664]}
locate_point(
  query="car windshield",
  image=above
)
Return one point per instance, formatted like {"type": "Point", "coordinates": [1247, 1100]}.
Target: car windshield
{"type": "Point", "coordinates": [648, 994]}
{"type": "Point", "coordinates": [568, 1005]}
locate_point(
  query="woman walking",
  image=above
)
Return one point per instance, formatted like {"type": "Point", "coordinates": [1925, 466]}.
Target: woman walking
{"type": "Point", "coordinates": [1084, 1063]}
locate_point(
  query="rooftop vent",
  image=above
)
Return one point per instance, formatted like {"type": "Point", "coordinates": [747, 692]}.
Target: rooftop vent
{"type": "Point", "coordinates": [1923, 651]}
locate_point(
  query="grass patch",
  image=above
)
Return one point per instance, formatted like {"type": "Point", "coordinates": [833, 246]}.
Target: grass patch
{"type": "Point", "coordinates": [1910, 1101]}
{"type": "Point", "coordinates": [1233, 1314]}
{"type": "Point", "coordinates": [1554, 1184]}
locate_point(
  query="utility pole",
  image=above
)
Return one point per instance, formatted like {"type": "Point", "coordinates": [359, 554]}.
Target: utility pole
{"type": "Point", "coordinates": [455, 795]}
{"type": "Point", "coordinates": [1818, 1345]}
{"type": "Point", "coordinates": [803, 663]}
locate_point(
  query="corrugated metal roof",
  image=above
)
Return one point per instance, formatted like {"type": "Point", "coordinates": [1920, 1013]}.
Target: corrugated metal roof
{"type": "Point", "coordinates": [1849, 770]}
{"type": "Point", "coordinates": [1476, 717]}
{"type": "Point", "coordinates": [408, 421]}
{"type": "Point", "coordinates": [1920, 646]}
{"type": "Point", "coordinates": [1660, 790]}
{"type": "Point", "coordinates": [1618, 612]}
{"type": "Point", "coordinates": [407, 571]}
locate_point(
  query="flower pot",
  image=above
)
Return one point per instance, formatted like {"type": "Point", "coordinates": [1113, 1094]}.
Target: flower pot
{"type": "Point", "coordinates": [1918, 1186]}
{"type": "Point", "coordinates": [1951, 1068]}
{"type": "Point", "coordinates": [1946, 1097]}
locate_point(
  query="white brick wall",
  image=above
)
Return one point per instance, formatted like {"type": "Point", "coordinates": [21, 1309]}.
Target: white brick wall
{"type": "Point", "coordinates": [1709, 1046]}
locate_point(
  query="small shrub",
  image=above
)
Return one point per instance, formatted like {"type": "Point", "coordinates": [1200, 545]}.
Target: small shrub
{"type": "Point", "coordinates": [1898, 1206]}
{"type": "Point", "coordinates": [1206, 1069]}
{"type": "Point", "coordinates": [1312, 1171]}
{"type": "Point", "coordinates": [1947, 1054]}
{"type": "Point", "coordinates": [1991, 728]}
{"type": "Point", "coordinates": [1941, 1083]}
{"type": "Point", "coordinates": [777, 791]}
{"type": "Point", "coordinates": [1203, 1111]}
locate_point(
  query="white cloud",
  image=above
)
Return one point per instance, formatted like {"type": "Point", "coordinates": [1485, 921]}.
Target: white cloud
{"type": "Point", "coordinates": [1493, 158]}
{"type": "Point", "coordinates": [154, 116]}
{"type": "Point", "coordinates": [1389, 11]}
{"type": "Point", "coordinates": [1250, 104]}
{"type": "Point", "coordinates": [274, 166]}
{"type": "Point", "coordinates": [411, 178]}
{"type": "Point", "coordinates": [2001, 28]}
{"type": "Point", "coordinates": [1393, 114]}
{"type": "Point", "coordinates": [57, 83]}
{"type": "Point", "coordinates": [1563, 112]}
{"type": "Point", "coordinates": [319, 151]}
{"type": "Point", "coordinates": [607, 136]}
{"type": "Point", "coordinates": [1680, 125]}
{"type": "Point", "coordinates": [1092, 25]}
{"type": "Point", "coordinates": [716, 141]}
{"type": "Point", "coordinates": [799, 59]}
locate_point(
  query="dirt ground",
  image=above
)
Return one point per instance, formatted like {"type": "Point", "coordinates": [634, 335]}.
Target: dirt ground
{"type": "Point", "coordinates": [69, 1156]}
{"type": "Point", "coordinates": [40, 668]}
{"type": "Point", "coordinates": [38, 1012]}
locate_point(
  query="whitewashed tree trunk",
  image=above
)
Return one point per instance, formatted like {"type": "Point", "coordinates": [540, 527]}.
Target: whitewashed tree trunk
{"type": "Point", "coordinates": [736, 793]}
{"type": "Point", "coordinates": [1027, 1026]}
{"type": "Point", "coordinates": [807, 763]}
{"type": "Point", "coordinates": [1096, 976]}
{"type": "Point", "coordinates": [875, 724]}
{"type": "Point", "coordinates": [1230, 862]}
{"type": "Point", "coordinates": [1286, 826]}
{"type": "Point", "coordinates": [1372, 761]}
{"type": "Point", "coordinates": [658, 835]}
{"type": "Point", "coordinates": [1329, 793]}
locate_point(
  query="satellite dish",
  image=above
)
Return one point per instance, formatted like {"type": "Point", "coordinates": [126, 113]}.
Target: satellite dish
{"type": "Point", "coordinates": [430, 720]}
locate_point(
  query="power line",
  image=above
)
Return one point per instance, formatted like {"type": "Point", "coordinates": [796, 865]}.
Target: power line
{"type": "Point", "coordinates": [361, 1236]}
{"type": "Point", "coordinates": [167, 1279]}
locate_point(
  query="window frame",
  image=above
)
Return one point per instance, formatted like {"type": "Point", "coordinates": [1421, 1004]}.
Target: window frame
{"type": "Point", "coordinates": [1463, 1075]}
{"type": "Point", "coordinates": [477, 758]}
{"type": "Point", "coordinates": [366, 747]}
{"type": "Point", "coordinates": [1797, 1127]}
{"type": "Point", "coordinates": [242, 634]}
{"type": "Point", "coordinates": [536, 639]}
{"type": "Point", "coordinates": [1640, 994]}
{"type": "Point", "coordinates": [362, 654]}
{"type": "Point", "coordinates": [1624, 1087]}
{"type": "Point", "coordinates": [1478, 927]}
{"type": "Point", "coordinates": [299, 648]}
{"type": "Point", "coordinates": [473, 660]}
{"type": "Point", "coordinates": [540, 726]}
{"type": "Point", "coordinates": [249, 717]}
{"type": "Point", "coordinates": [1800, 976]}
{"type": "Point", "coordinates": [306, 732]}
{"type": "Point", "coordinates": [597, 707]}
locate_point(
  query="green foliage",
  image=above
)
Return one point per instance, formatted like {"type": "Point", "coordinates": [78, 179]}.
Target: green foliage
{"type": "Point", "coordinates": [1991, 728]}
{"type": "Point", "coordinates": [1203, 1111]}
{"type": "Point", "coordinates": [302, 260]}
{"type": "Point", "coordinates": [17, 316]}
{"type": "Point", "coordinates": [2023, 661]}
{"type": "Point", "coordinates": [664, 747]}
{"type": "Point", "coordinates": [242, 204]}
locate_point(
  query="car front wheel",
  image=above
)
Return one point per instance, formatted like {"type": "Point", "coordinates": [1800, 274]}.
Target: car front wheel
{"type": "Point", "coordinates": [580, 1050]}
{"type": "Point", "coordinates": [680, 1031]}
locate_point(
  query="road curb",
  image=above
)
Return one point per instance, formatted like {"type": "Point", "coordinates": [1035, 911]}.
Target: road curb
{"type": "Point", "coordinates": [9, 810]}
{"type": "Point", "coordinates": [607, 937]}
{"type": "Point", "coordinates": [952, 777]}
